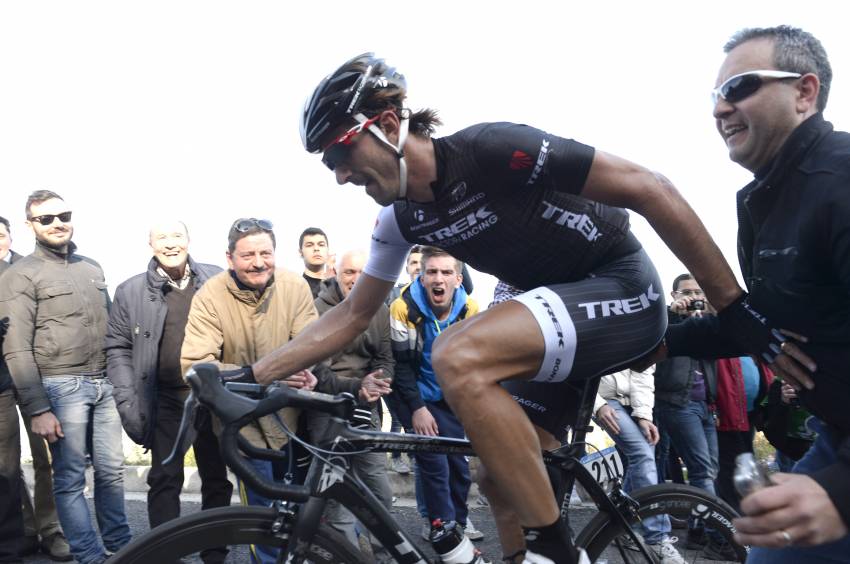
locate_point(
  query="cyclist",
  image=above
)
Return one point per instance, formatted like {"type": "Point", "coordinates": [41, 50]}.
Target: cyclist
{"type": "Point", "coordinates": [536, 210]}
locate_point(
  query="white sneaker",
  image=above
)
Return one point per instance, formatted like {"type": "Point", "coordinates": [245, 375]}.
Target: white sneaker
{"type": "Point", "coordinates": [471, 532]}
{"type": "Point", "coordinates": [426, 531]}
{"type": "Point", "coordinates": [532, 558]}
{"type": "Point", "coordinates": [666, 550]}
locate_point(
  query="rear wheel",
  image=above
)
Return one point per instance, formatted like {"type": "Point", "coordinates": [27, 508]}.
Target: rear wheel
{"type": "Point", "coordinates": [232, 526]}
{"type": "Point", "coordinates": [600, 538]}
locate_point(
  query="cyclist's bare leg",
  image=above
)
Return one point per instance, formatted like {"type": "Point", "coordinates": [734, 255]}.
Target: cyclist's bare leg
{"type": "Point", "coordinates": [470, 359]}
{"type": "Point", "coordinates": [507, 522]}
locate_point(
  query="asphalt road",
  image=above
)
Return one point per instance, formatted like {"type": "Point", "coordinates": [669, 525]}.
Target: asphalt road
{"type": "Point", "coordinates": [405, 514]}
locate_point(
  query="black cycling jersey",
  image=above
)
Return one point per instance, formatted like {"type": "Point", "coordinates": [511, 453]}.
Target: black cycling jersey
{"type": "Point", "coordinates": [507, 202]}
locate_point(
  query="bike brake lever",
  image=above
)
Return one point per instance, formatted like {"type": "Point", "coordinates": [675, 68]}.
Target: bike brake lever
{"type": "Point", "coordinates": [186, 434]}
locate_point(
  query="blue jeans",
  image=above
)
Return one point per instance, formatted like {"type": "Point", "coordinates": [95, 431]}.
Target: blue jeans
{"type": "Point", "coordinates": [420, 495]}
{"type": "Point", "coordinates": [822, 454]}
{"type": "Point", "coordinates": [694, 435]}
{"type": "Point", "coordinates": [642, 471]}
{"type": "Point", "coordinates": [266, 554]}
{"type": "Point", "coordinates": [445, 477]}
{"type": "Point", "coordinates": [91, 425]}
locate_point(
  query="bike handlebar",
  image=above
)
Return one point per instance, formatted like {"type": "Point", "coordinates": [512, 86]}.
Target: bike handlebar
{"type": "Point", "coordinates": [235, 411]}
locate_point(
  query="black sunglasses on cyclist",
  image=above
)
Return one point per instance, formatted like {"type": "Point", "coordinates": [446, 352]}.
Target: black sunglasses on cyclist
{"type": "Point", "coordinates": [744, 85]}
{"type": "Point", "coordinates": [248, 223]}
{"type": "Point", "coordinates": [339, 149]}
{"type": "Point", "coordinates": [49, 218]}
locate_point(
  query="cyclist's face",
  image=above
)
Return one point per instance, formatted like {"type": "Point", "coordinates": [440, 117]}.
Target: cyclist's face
{"type": "Point", "coordinates": [371, 164]}
{"type": "Point", "coordinates": [252, 260]}
{"type": "Point", "coordinates": [440, 278]}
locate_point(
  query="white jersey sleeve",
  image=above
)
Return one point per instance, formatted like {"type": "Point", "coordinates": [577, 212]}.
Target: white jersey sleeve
{"type": "Point", "coordinates": [389, 248]}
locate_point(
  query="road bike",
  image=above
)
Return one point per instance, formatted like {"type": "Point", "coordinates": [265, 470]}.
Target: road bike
{"type": "Point", "coordinates": [294, 522]}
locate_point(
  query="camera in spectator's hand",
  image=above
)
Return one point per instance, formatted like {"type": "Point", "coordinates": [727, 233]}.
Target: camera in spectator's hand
{"type": "Point", "coordinates": [696, 305]}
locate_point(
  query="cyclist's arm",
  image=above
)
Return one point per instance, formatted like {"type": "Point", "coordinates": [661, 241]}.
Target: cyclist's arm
{"type": "Point", "coordinates": [328, 334]}
{"type": "Point", "coordinates": [618, 182]}
{"type": "Point", "coordinates": [344, 322]}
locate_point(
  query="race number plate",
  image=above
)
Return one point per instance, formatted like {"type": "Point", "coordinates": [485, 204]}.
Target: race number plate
{"type": "Point", "coordinates": [604, 465]}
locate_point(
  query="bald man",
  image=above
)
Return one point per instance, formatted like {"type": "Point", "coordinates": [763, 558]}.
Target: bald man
{"type": "Point", "coordinates": [143, 340]}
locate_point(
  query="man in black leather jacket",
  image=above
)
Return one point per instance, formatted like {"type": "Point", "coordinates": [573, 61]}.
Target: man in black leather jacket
{"type": "Point", "coordinates": [794, 250]}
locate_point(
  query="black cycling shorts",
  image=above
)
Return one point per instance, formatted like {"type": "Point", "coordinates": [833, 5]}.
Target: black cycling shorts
{"type": "Point", "coordinates": [592, 327]}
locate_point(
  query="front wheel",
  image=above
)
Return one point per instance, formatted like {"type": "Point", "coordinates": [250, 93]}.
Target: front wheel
{"type": "Point", "coordinates": [601, 537]}
{"type": "Point", "coordinates": [232, 526]}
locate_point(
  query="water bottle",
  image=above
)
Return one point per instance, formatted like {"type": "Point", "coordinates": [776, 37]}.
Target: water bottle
{"type": "Point", "coordinates": [750, 476]}
{"type": "Point", "coordinates": [451, 544]}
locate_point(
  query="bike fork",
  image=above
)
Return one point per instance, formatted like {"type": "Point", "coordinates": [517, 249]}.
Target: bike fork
{"type": "Point", "coordinates": [309, 515]}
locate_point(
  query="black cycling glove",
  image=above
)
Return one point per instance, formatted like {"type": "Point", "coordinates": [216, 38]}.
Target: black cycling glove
{"type": "Point", "coordinates": [244, 374]}
{"type": "Point", "coordinates": [750, 329]}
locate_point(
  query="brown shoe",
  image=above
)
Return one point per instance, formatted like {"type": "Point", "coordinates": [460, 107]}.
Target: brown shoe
{"type": "Point", "coordinates": [56, 547]}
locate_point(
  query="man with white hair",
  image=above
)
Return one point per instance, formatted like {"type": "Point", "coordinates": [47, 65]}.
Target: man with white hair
{"type": "Point", "coordinates": [368, 358]}
{"type": "Point", "coordinates": [144, 335]}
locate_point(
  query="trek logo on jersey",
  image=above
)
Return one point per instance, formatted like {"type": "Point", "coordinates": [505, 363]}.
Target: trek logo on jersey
{"type": "Point", "coordinates": [466, 203]}
{"type": "Point", "coordinates": [468, 226]}
{"type": "Point", "coordinates": [541, 160]}
{"type": "Point", "coordinates": [607, 308]}
{"type": "Point", "coordinates": [520, 161]}
{"type": "Point", "coordinates": [578, 222]}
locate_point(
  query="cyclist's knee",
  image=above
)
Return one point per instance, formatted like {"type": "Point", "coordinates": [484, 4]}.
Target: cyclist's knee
{"type": "Point", "coordinates": [457, 364]}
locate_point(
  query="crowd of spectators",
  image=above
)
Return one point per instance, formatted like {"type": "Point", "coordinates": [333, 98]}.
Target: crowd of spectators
{"type": "Point", "coordinates": [80, 366]}
{"type": "Point", "coordinates": [133, 350]}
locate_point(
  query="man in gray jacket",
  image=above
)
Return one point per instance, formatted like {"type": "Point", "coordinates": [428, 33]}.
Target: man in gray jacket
{"type": "Point", "coordinates": [57, 306]}
{"type": "Point", "coordinates": [143, 340]}
{"type": "Point", "coordinates": [368, 358]}
{"type": "Point", "coordinates": [41, 522]}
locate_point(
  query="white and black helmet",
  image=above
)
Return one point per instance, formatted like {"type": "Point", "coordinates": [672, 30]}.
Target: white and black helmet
{"type": "Point", "coordinates": [340, 95]}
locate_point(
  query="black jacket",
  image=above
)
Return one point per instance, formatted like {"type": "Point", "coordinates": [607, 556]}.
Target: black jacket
{"type": "Point", "coordinates": [674, 376]}
{"type": "Point", "coordinates": [794, 251]}
{"type": "Point", "coordinates": [133, 337]}
{"type": "Point", "coordinates": [5, 377]}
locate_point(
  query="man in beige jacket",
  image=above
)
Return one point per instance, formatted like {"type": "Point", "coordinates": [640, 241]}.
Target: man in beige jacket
{"type": "Point", "coordinates": [244, 313]}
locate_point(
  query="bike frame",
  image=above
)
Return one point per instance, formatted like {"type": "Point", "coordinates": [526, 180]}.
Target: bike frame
{"type": "Point", "coordinates": [331, 480]}
{"type": "Point", "coordinates": [328, 476]}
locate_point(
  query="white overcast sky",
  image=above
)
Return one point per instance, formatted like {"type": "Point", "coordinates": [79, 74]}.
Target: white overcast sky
{"type": "Point", "coordinates": [135, 111]}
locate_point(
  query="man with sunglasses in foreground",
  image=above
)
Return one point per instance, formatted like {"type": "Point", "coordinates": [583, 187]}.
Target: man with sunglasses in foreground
{"type": "Point", "coordinates": [538, 211]}
{"type": "Point", "coordinates": [794, 251]}
{"type": "Point", "coordinates": [57, 306]}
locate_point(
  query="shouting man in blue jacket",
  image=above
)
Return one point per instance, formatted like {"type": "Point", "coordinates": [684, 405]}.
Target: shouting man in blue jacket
{"type": "Point", "coordinates": [430, 304]}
